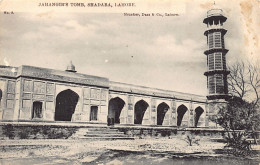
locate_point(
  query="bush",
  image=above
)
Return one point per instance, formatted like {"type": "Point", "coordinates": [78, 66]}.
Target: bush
{"type": "Point", "coordinates": [35, 132]}
{"type": "Point", "coordinates": [8, 131]}
{"type": "Point", "coordinates": [192, 139]}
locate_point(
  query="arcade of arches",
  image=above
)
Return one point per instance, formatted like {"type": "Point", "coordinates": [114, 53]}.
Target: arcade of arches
{"type": "Point", "coordinates": [66, 102]}
{"type": "Point", "coordinates": [117, 104]}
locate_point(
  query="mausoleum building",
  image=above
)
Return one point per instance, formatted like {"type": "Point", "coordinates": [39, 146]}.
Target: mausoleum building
{"type": "Point", "coordinates": [29, 93]}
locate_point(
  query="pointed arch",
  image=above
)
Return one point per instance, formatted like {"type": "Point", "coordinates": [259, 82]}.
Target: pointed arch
{"type": "Point", "coordinates": [66, 102]}
{"type": "Point", "coordinates": [139, 110]}
{"type": "Point", "coordinates": [181, 110]}
{"type": "Point", "coordinates": [162, 109]}
{"type": "Point", "coordinates": [115, 107]}
{"type": "Point", "coordinates": [198, 112]}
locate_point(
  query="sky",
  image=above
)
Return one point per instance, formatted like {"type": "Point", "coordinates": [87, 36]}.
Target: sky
{"type": "Point", "coordinates": [158, 52]}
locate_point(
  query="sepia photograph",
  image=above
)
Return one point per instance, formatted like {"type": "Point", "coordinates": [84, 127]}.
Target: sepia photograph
{"type": "Point", "coordinates": [129, 82]}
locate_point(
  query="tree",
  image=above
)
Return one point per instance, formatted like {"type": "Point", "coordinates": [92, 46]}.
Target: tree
{"type": "Point", "coordinates": [244, 81]}
{"type": "Point", "coordinates": [240, 118]}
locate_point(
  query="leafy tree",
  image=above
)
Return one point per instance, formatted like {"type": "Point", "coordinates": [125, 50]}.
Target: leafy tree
{"type": "Point", "coordinates": [240, 118]}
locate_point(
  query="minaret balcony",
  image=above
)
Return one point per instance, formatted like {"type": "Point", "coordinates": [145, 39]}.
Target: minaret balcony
{"type": "Point", "coordinates": [214, 50]}
{"type": "Point", "coordinates": [215, 28]}
{"type": "Point", "coordinates": [218, 96]}
{"type": "Point", "coordinates": [220, 71]}
{"type": "Point", "coordinates": [215, 17]}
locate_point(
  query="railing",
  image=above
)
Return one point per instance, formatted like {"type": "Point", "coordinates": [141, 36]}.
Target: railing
{"type": "Point", "coordinates": [214, 27]}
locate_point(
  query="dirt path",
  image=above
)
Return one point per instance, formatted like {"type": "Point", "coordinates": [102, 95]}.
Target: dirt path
{"type": "Point", "coordinates": [87, 151]}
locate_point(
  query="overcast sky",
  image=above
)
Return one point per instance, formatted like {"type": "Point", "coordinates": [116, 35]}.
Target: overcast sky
{"type": "Point", "coordinates": [160, 52]}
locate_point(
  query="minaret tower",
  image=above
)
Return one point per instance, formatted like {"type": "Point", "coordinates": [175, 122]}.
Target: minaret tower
{"type": "Point", "coordinates": [216, 55]}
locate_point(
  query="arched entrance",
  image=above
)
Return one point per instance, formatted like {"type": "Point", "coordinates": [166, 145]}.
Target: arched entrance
{"type": "Point", "coordinates": [140, 108]}
{"type": "Point", "coordinates": [66, 102]}
{"type": "Point", "coordinates": [198, 112]}
{"type": "Point", "coordinates": [115, 107]}
{"type": "Point", "coordinates": [181, 110]}
{"type": "Point", "coordinates": [161, 111]}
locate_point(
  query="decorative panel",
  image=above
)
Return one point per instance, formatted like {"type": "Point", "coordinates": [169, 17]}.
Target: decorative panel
{"type": "Point", "coordinates": [49, 98]}
{"type": "Point", "coordinates": [86, 92]}
{"type": "Point", "coordinates": [210, 40]}
{"type": "Point", "coordinates": [217, 40]}
{"type": "Point", "coordinates": [94, 102]}
{"type": "Point", "coordinates": [26, 103]}
{"type": "Point", "coordinates": [154, 120]}
{"type": "Point", "coordinates": [173, 105]}
{"type": "Point", "coordinates": [103, 109]}
{"type": "Point", "coordinates": [153, 106]}
{"type": "Point", "coordinates": [38, 97]}
{"type": "Point", "coordinates": [211, 61]}
{"type": "Point", "coordinates": [25, 114]}
{"type": "Point", "coordinates": [130, 102]}
{"type": "Point", "coordinates": [86, 102]}
{"type": "Point", "coordinates": [10, 96]}
{"type": "Point", "coordinates": [39, 87]}
{"type": "Point", "coordinates": [219, 83]}
{"type": "Point", "coordinates": [98, 94]}
{"type": "Point", "coordinates": [27, 86]}
{"type": "Point", "coordinates": [8, 114]}
{"type": "Point", "coordinates": [85, 108]}
{"type": "Point", "coordinates": [130, 119]}
{"type": "Point", "coordinates": [131, 99]}
{"type": "Point", "coordinates": [9, 103]}
{"type": "Point", "coordinates": [103, 103]}
{"type": "Point", "coordinates": [93, 93]}
{"type": "Point", "coordinates": [49, 115]}
{"type": "Point", "coordinates": [50, 88]}
{"type": "Point", "coordinates": [130, 106]}
{"type": "Point", "coordinates": [27, 96]}
{"type": "Point", "coordinates": [218, 60]}
{"type": "Point", "coordinates": [11, 87]}
{"type": "Point", "coordinates": [103, 94]}
{"type": "Point", "coordinates": [211, 84]}
{"type": "Point", "coordinates": [17, 87]}
{"type": "Point", "coordinates": [49, 105]}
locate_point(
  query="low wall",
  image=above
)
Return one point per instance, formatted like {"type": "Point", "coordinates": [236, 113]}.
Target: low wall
{"type": "Point", "coordinates": [31, 130]}
{"type": "Point", "coordinates": [170, 132]}
{"type": "Point", "coordinates": [10, 131]}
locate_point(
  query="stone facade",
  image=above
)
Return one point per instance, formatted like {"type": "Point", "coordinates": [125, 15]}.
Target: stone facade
{"type": "Point", "coordinates": [38, 94]}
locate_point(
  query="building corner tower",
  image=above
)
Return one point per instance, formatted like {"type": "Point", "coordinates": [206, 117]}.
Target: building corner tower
{"type": "Point", "coordinates": [216, 60]}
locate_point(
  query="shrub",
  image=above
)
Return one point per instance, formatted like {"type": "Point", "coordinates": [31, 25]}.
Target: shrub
{"type": "Point", "coordinates": [8, 131]}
